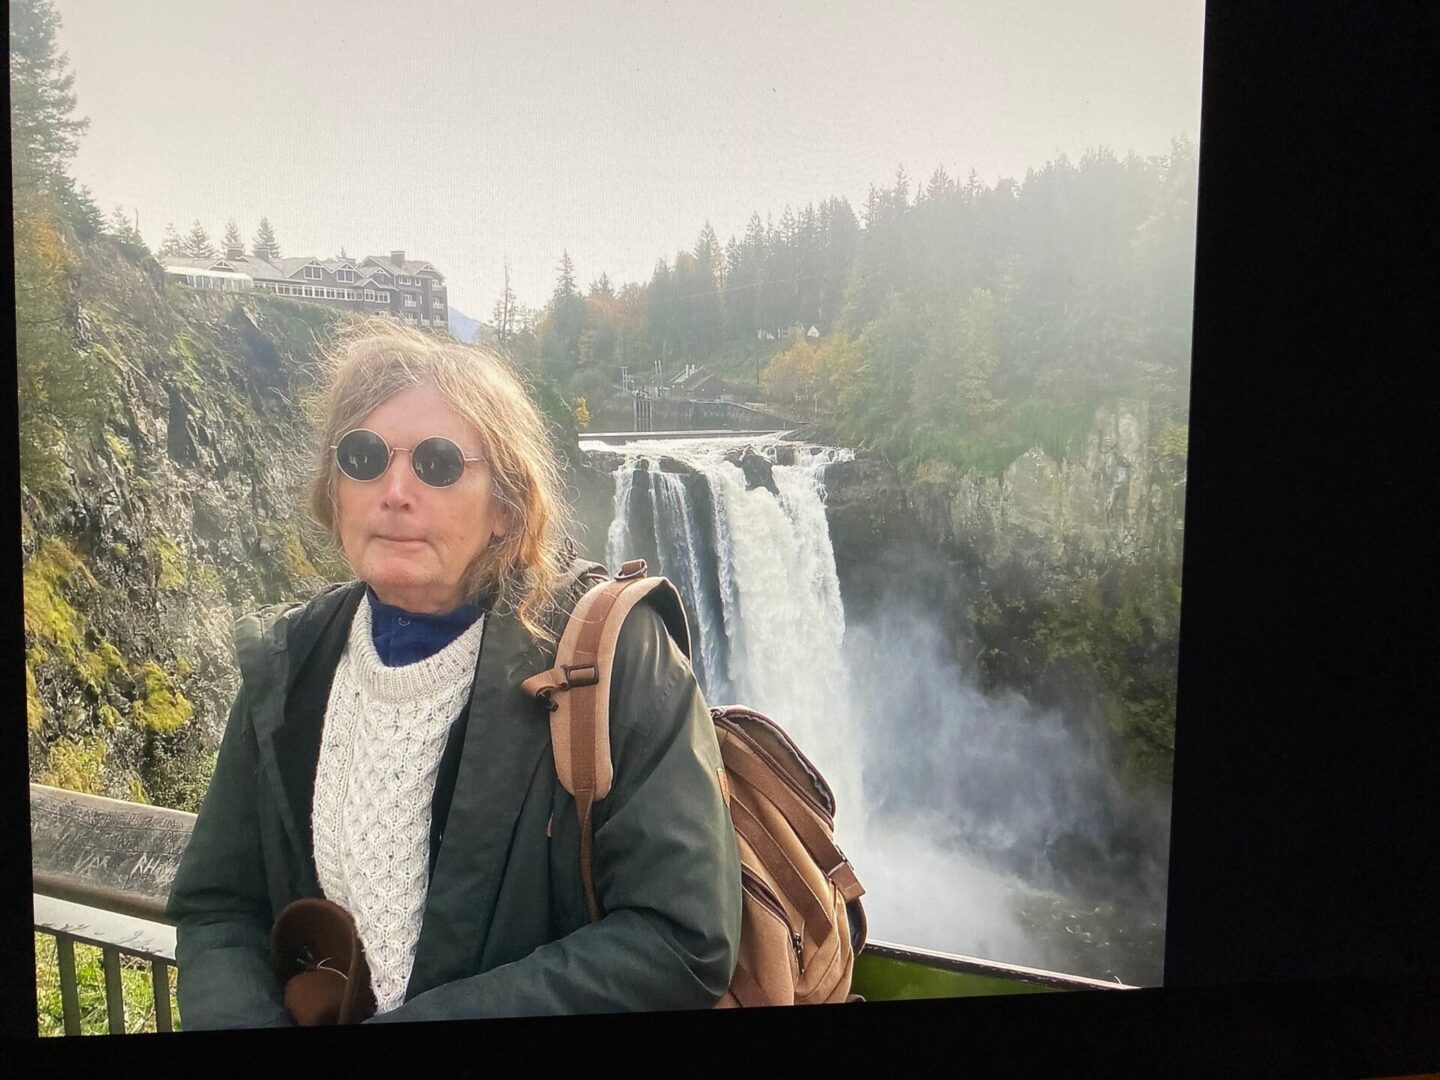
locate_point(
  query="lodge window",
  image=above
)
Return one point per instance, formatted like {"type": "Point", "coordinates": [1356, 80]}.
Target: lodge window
{"type": "Point", "coordinates": [314, 273]}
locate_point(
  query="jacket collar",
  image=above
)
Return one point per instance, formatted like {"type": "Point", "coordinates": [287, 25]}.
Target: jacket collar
{"type": "Point", "coordinates": [282, 650]}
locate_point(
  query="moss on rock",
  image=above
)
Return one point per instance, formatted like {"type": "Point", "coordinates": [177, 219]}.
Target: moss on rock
{"type": "Point", "coordinates": [162, 709]}
{"type": "Point", "coordinates": [170, 560]}
{"type": "Point", "coordinates": [296, 559]}
{"type": "Point", "coordinates": [49, 617]}
{"type": "Point", "coordinates": [76, 765]}
{"type": "Point", "coordinates": [34, 709]}
{"type": "Point", "coordinates": [119, 449]}
{"type": "Point", "coordinates": [206, 578]}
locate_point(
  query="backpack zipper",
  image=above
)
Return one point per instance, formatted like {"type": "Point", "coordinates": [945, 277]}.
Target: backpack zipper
{"type": "Point", "coordinates": [783, 773]}
{"type": "Point", "coordinates": [762, 892]}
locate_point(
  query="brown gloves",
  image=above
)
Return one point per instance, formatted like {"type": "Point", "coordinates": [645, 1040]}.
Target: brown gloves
{"type": "Point", "coordinates": [316, 954]}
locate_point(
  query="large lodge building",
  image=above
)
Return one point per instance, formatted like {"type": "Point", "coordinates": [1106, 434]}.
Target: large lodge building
{"type": "Point", "coordinates": [405, 288]}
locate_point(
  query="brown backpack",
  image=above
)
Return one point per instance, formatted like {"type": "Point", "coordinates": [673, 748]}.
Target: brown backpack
{"type": "Point", "coordinates": [802, 921]}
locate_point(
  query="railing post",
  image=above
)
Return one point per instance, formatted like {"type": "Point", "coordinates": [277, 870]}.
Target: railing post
{"type": "Point", "coordinates": [69, 990]}
{"type": "Point", "coordinates": [114, 993]}
{"type": "Point", "coordinates": [160, 980]}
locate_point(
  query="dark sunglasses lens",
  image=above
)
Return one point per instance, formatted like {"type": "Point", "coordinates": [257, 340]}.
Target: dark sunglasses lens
{"type": "Point", "coordinates": [438, 462]}
{"type": "Point", "coordinates": [362, 455]}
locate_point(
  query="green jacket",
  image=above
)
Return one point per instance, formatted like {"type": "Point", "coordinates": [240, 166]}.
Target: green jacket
{"type": "Point", "coordinates": [505, 930]}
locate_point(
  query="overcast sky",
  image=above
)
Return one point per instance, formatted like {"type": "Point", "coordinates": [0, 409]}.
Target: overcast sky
{"type": "Point", "coordinates": [468, 133]}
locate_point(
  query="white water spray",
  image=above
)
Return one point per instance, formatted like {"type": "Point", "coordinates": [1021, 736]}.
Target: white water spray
{"type": "Point", "coordinates": [759, 582]}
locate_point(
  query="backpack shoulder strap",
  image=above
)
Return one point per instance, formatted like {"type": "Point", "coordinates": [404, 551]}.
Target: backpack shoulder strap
{"type": "Point", "coordinates": [576, 689]}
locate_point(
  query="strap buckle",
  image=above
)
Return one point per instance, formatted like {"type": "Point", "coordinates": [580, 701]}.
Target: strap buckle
{"type": "Point", "coordinates": [633, 569]}
{"type": "Point", "coordinates": [572, 680]}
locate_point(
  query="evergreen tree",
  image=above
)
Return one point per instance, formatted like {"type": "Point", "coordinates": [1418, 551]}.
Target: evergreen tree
{"type": "Point", "coordinates": [700, 286]}
{"type": "Point", "coordinates": [43, 131]}
{"type": "Point", "coordinates": [840, 236]}
{"type": "Point", "coordinates": [79, 208]}
{"type": "Point", "coordinates": [707, 251]}
{"type": "Point", "coordinates": [565, 283]}
{"type": "Point", "coordinates": [172, 247]}
{"type": "Point", "coordinates": [661, 317]}
{"type": "Point", "coordinates": [566, 319]}
{"type": "Point", "coordinates": [601, 287]}
{"type": "Point", "coordinates": [504, 316]}
{"type": "Point", "coordinates": [233, 239]}
{"type": "Point", "coordinates": [900, 196]}
{"type": "Point", "coordinates": [197, 243]}
{"type": "Point", "coordinates": [64, 393]}
{"type": "Point", "coordinates": [265, 245]}
{"type": "Point", "coordinates": [123, 229]}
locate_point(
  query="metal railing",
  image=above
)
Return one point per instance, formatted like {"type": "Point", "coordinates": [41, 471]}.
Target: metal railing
{"type": "Point", "coordinates": [102, 869]}
{"type": "Point", "coordinates": [116, 936]}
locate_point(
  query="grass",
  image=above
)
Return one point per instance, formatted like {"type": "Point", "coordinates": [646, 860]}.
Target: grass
{"type": "Point", "coordinates": [135, 985]}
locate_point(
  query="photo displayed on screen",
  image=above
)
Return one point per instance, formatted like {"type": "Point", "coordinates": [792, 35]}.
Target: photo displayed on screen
{"type": "Point", "coordinates": [867, 328]}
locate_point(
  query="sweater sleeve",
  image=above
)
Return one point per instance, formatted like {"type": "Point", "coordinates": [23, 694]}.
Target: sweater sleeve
{"type": "Point", "coordinates": [220, 902]}
{"type": "Point", "coordinates": [667, 868]}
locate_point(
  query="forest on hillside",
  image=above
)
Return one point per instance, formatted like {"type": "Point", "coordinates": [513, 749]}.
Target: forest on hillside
{"type": "Point", "coordinates": [954, 320]}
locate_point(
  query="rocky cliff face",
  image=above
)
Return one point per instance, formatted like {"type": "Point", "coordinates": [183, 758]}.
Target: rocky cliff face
{"type": "Point", "coordinates": [1120, 500]}
{"type": "Point", "coordinates": [183, 516]}
{"type": "Point", "coordinates": [1057, 578]}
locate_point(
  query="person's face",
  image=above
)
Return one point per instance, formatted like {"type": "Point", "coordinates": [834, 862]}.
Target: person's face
{"type": "Point", "coordinates": [409, 542]}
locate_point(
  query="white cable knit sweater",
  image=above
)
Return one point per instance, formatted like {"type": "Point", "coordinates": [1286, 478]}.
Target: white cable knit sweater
{"type": "Point", "coordinates": [380, 748]}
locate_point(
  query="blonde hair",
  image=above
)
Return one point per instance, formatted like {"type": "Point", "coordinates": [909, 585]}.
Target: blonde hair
{"type": "Point", "coordinates": [377, 358]}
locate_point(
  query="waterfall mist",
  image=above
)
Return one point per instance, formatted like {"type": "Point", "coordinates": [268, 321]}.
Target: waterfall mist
{"type": "Point", "coordinates": [978, 823]}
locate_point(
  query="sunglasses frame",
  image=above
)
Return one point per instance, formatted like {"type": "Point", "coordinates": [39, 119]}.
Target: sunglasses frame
{"type": "Point", "coordinates": [393, 450]}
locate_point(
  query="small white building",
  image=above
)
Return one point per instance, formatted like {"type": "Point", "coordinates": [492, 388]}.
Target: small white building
{"type": "Point", "coordinates": [196, 277]}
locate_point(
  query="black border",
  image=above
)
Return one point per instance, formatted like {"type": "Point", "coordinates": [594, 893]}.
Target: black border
{"type": "Point", "coordinates": [1305, 801]}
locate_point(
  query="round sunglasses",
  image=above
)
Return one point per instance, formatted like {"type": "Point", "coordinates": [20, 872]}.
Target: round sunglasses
{"type": "Point", "coordinates": [364, 455]}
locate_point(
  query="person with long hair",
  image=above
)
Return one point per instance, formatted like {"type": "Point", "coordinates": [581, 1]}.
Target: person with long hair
{"type": "Point", "coordinates": [381, 753]}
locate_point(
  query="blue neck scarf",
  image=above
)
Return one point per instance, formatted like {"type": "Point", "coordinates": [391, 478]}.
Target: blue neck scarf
{"type": "Point", "coordinates": [403, 637]}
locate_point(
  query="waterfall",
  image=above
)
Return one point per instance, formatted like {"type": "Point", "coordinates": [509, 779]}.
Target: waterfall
{"type": "Point", "coordinates": [949, 804]}
{"type": "Point", "coordinates": [774, 602]}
